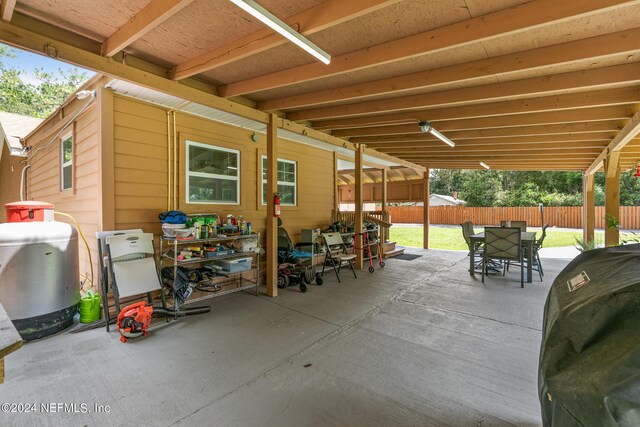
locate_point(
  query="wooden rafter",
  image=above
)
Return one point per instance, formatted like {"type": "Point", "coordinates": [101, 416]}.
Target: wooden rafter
{"type": "Point", "coordinates": [152, 15]}
{"type": "Point", "coordinates": [312, 20]}
{"type": "Point", "coordinates": [489, 146]}
{"type": "Point", "coordinates": [591, 48]}
{"type": "Point", "coordinates": [630, 131]}
{"type": "Point", "coordinates": [6, 9]}
{"type": "Point", "coordinates": [599, 98]}
{"type": "Point", "coordinates": [509, 20]}
{"type": "Point", "coordinates": [556, 129]}
{"type": "Point", "coordinates": [428, 139]}
{"type": "Point", "coordinates": [590, 79]}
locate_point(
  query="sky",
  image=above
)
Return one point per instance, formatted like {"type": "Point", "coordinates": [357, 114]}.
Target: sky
{"type": "Point", "coordinates": [27, 62]}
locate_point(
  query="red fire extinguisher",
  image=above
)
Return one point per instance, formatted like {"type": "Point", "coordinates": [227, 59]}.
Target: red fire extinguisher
{"type": "Point", "coordinates": [276, 205]}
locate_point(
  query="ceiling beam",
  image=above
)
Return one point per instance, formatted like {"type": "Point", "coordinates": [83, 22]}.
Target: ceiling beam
{"type": "Point", "coordinates": [630, 130]}
{"type": "Point", "coordinates": [598, 98]}
{"type": "Point", "coordinates": [579, 117]}
{"type": "Point", "coordinates": [310, 21]}
{"type": "Point", "coordinates": [560, 128]}
{"type": "Point", "coordinates": [152, 15]}
{"type": "Point", "coordinates": [592, 48]}
{"type": "Point", "coordinates": [587, 155]}
{"type": "Point", "coordinates": [427, 138]}
{"type": "Point", "coordinates": [590, 79]}
{"type": "Point", "coordinates": [488, 146]}
{"type": "Point", "coordinates": [510, 20]}
{"type": "Point", "coordinates": [6, 9]}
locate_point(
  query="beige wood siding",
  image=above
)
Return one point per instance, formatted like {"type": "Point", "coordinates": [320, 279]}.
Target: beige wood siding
{"type": "Point", "coordinates": [140, 139]}
{"type": "Point", "coordinates": [140, 160]}
{"type": "Point", "coordinates": [10, 169]}
{"type": "Point", "coordinates": [44, 182]}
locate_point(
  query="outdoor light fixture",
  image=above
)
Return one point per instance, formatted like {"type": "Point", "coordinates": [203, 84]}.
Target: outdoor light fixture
{"type": "Point", "coordinates": [484, 165]}
{"type": "Point", "coordinates": [281, 27]}
{"type": "Point", "coordinates": [637, 174]}
{"type": "Point", "coordinates": [84, 94]}
{"type": "Point", "coordinates": [427, 128]}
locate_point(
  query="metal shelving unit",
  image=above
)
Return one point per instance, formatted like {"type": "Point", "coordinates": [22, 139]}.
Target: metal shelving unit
{"type": "Point", "coordinates": [223, 279]}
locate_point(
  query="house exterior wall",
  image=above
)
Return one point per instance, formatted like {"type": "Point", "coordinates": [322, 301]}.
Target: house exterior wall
{"type": "Point", "coordinates": [10, 169]}
{"type": "Point", "coordinates": [141, 170]}
{"type": "Point", "coordinates": [437, 201]}
{"type": "Point", "coordinates": [82, 201]}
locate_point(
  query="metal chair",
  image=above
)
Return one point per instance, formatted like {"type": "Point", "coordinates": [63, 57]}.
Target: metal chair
{"type": "Point", "coordinates": [467, 232]}
{"type": "Point", "coordinates": [336, 254]}
{"type": "Point", "coordinates": [504, 244]}
{"type": "Point", "coordinates": [536, 264]}
{"type": "Point", "coordinates": [520, 224]}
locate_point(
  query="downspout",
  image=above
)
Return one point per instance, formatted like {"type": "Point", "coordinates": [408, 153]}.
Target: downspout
{"type": "Point", "coordinates": [23, 192]}
{"type": "Point", "coordinates": [168, 160]}
{"type": "Point", "coordinates": [175, 161]}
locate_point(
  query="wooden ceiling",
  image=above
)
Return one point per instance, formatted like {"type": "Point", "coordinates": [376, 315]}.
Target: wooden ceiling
{"type": "Point", "coordinates": [530, 85]}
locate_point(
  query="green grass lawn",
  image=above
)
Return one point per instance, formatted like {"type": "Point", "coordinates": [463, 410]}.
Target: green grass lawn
{"type": "Point", "coordinates": [451, 237]}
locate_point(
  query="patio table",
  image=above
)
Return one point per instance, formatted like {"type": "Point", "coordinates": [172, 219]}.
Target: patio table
{"type": "Point", "coordinates": [528, 237]}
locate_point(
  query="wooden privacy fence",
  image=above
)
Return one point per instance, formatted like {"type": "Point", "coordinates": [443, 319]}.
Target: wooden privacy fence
{"type": "Point", "coordinates": [555, 216]}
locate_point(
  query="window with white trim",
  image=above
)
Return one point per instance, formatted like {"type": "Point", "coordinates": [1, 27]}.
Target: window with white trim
{"type": "Point", "coordinates": [287, 181]}
{"type": "Point", "coordinates": [213, 174]}
{"type": "Point", "coordinates": [66, 162]}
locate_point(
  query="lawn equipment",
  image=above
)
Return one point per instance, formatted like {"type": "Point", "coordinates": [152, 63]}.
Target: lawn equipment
{"type": "Point", "coordinates": [134, 320]}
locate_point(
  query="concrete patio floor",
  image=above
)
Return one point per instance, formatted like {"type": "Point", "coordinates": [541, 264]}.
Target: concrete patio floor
{"type": "Point", "coordinates": [417, 343]}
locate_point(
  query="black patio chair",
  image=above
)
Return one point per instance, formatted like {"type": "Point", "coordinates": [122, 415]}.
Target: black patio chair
{"type": "Point", "coordinates": [504, 244]}
{"type": "Point", "coordinates": [521, 224]}
{"type": "Point", "coordinates": [536, 264]}
{"type": "Point", "coordinates": [467, 232]}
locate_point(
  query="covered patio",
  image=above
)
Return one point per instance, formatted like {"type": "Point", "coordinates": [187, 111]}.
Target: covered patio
{"type": "Point", "coordinates": [513, 85]}
{"type": "Point", "coordinates": [419, 342]}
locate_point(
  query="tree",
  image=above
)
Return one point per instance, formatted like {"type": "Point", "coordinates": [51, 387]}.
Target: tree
{"type": "Point", "coordinates": [39, 100]}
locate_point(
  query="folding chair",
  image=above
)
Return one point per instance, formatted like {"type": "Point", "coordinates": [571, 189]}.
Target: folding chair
{"type": "Point", "coordinates": [105, 277]}
{"type": "Point", "coordinates": [505, 244]}
{"type": "Point", "coordinates": [132, 267]}
{"type": "Point", "coordinates": [336, 254]}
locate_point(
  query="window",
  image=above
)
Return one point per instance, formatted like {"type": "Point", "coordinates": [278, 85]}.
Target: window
{"type": "Point", "coordinates": [287, 178]}
{"type": "Point", "coordinates": [66, 163]}
{"type": "Point", "coordinates": [213, 174]}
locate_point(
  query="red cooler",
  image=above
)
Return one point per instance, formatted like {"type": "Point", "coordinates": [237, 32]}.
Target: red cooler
{"type": "Point", "coordinates": [29, 211]}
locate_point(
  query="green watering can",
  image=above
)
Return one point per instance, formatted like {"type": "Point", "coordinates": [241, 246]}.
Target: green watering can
{"type": "Point", "coordinates": [90, 307]}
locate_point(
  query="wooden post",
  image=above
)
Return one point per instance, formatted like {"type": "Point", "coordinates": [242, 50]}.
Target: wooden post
{"type": "Point", "coordinates": [588, 208]}
{"type": "Point", "coordinates": [106, 203]}
{"type": "Point", "coordinates": [425, 212]}
{"type": "Point", "coordinates": [272, 221]}
{"type": "Point", "coordinates": [612, 197]}
{"type": "Point", "coordinates": [336, 188]}
{"type": "Point", "coordinates": [385, 231]}
{"type": "Point", "coordinates": [357, 243]}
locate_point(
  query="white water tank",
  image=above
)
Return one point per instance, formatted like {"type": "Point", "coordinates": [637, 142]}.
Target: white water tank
{"type": "Point", "coordinates": [39, 274]}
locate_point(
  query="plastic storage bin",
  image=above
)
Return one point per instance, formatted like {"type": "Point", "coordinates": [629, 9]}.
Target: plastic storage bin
{"type": "Point", "coordinates": [233, 265]}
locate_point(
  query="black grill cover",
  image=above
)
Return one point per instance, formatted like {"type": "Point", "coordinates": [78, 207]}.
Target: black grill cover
{"type": "Point", "coordinates": [590, 355]}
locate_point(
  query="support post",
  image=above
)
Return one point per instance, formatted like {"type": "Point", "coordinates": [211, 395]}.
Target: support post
{"type": "Point", "coordinates": [588, 208]}
{"type": "Point", "coordinates": [425, 213]}
{"type": "Point", "coordinates": [336, 188]}
{"type": "Point", "coordinates": [612, 197]}
{"type": "Point", "coordinates": [272, 221]}
{"type": "Point", "coordinates": [357, 243]}
{"type": "Point", "coordinates": [385, 217]}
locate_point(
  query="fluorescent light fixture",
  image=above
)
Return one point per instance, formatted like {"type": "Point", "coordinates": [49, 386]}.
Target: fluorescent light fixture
{"type": "Point", "coordinates": [281, 27]}
{"type": "Point", "coordinates": [232, 167]}
{"type": "Point", "coordinates": [427, 128]}
{"type": "Point", "coordinates": [484, 165]}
